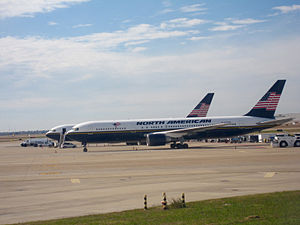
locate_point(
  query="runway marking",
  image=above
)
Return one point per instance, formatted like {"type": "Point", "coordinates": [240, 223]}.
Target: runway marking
{"type": "Point", "coordinates": [269, 174]}
{"type": "Point", "coordinates": [75, 181]}
{"type": "Point", "coordinates": [50, 173]}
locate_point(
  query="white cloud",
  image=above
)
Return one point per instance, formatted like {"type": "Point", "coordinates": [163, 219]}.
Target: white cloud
{"type": "Point", "coordinates": [247, 21]}
{"type": "Point", "coordinates": [182, 22]}
{"type": "Point", "coordinates": [199, 38]}
{"type": "Point", "coordinates": [26, 102]}
{"type": "Point", "coordinates": [287, 9]}
{"type": "Point", "coordinates": [226, 27]}
{"type": "Point", "coordinates": [130, 43]}
{"type": "Point", "coordinates": [25, 8]}
{"type": "Point", "coordinates": [82, 78]}
{"type": "Point", "coordinates": [41, 58]}
{"type": "Point", "coordinates": [228, 70]}
{"type": "Point", "coordinates": [165, 11]}
{"type": "Point", "coordinates": [139, 49]}
{"type": "Point", "coordinates": [126, 21]}
{"type": "Point", "coordinates": [142, 32]}
{"type": "Point", "coordinates": [51, 23]}
{"type": "Point", "coordinates": [234, 24]}
{"type": "Point", "coordinates": [193, 8]}
{"type": "Point", "coordinates": [82, 25]}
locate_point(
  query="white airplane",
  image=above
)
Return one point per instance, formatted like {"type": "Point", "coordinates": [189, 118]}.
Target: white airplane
{"type": "Point", "coordinates": [158, 132]}
{"type": "Point", "coordinates": [58, 133]}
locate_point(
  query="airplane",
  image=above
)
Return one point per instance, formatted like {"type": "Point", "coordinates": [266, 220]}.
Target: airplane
{"type": "Point", "coordinates": [158, 132]}
{"type": "Point", "coordinates": [58, 133]}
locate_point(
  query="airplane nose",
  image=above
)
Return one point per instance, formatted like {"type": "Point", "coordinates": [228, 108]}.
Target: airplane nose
{"type": "Point", "coordinates": [48, 134]}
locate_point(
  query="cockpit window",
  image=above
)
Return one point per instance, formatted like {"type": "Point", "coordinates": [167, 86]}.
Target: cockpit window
{"type": "Point", "coordinates": [53, 130]}
{"type": "Point", "coordinates": [76, 129]}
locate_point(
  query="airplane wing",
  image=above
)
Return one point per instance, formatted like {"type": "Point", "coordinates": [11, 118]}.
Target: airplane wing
{"type": "Point", "coordinates": [275, 122]}
{"type": "Point", "coordinates": [189, 131]}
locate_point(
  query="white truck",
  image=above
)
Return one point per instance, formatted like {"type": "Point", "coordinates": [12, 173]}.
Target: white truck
{"type": "Point", "coordinates": [286, 140]}
{"type": "Point", "coordinates": [37, 142]}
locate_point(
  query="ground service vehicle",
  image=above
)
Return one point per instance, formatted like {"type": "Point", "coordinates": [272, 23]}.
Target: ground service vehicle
{"type": "Point", "coordinates": [286, 140]}
{"type": "Point", "coordinates": [37, 142]}
{"type": "Point", "coordinates": [69, 145]}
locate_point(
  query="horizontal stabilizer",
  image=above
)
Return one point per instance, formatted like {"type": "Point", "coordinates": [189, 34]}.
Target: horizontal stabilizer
{"type": "Point", "coordinates": [275, 122]}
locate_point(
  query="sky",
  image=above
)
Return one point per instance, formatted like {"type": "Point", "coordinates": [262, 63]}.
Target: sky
{"type": "Point", "coordinates": [71, 61]}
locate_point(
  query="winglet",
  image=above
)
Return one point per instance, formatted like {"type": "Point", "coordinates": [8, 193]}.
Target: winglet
{"type": "Point", "coordinates": [201, 109]}
{"type": "Point", "coordinates": [266, 106]}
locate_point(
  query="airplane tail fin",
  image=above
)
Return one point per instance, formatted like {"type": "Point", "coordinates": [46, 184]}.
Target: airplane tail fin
{"type": "Point", "coordinates": [201, 109]}
{"type": "Point", "coordinates": [266, 106]}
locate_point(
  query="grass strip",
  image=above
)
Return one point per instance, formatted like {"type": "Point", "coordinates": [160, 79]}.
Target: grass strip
{"type": "Point", "coordinates": [262, 209]}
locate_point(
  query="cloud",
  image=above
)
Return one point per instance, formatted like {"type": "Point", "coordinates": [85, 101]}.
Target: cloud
{"type": "Point", "coordinates": [26, 103]}
{"type": "Point", "coordinates": [182, 22]}
{"type": "Point", "coordinates": [139, 49]}
{"type": "Point", "coordinates": [247, 21]}
{"type": "Point", "coordinates": [51, 23]}
{"type": "Point", "coordinates": [287, 9]}
{"type": "Point", "coordinates": [126, 21]}
{"type": "Point", "coordinates": [193, 8]}
{"type": "Point", "coordinates": [82, 25]}
{"type": "Point", "coordinates": [135, 34]}
{"type": "Point", "coordinates": [199, 38]}
{"type": "Point", "coordinates": [42, 58]}
{"type": "Point", "coordinates": [82, 78]}
{"type": "Point", "coordinates": [225, 27]}
{"type": "Point", "coordinates": [112, 79]}
{"type": "Point", "coordinates": [234, 24]}
{"type": "Point", "coordinates": [165, 11]}
{"type": "Point", "coordinates": [25, 8]}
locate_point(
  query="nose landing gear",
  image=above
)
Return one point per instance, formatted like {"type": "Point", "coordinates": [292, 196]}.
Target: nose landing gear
{"type": "Point", "coordinates": [84, 147]}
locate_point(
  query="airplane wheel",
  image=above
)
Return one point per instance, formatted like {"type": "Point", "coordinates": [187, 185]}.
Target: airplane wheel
{"type": "Point", "coordinates": [84, 149]}
{"type": "Point", "coordinates": [185, 146]}
{"type": "Point", "coordinates": [172, 145]}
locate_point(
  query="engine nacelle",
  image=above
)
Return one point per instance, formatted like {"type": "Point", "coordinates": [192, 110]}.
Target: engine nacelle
{"type": "Point", "coordinates": [157, 139]}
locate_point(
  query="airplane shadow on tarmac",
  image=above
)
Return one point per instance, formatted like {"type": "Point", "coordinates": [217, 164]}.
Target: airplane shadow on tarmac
{"type": "Point", "coordinates": [135, 149]}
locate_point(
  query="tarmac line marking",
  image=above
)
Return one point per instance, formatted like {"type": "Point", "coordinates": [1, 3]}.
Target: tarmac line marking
{"type": "Point", "coordinates": [50, 173]}
{"type": "Point", "coordinates": [75, 181]}
{"type": "Point", "coordinates": [269, 174]}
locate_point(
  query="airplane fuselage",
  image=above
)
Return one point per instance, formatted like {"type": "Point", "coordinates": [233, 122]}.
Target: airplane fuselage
{"type": "Point", "coordinates": [136, 130]}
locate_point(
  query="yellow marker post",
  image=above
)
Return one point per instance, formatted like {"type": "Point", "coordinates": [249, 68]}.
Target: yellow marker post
{"type": "Point", "coordinates": [183, 200]}
{"type": "Point", "coordinates": [164, 201]}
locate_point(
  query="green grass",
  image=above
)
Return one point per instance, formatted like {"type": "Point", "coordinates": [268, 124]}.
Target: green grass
{"type": "Point", "coordinates": [274, 208]}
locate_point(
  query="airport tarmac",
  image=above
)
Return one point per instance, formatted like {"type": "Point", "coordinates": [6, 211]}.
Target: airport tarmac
{"type": "Point", "coordinates": [48, 183]}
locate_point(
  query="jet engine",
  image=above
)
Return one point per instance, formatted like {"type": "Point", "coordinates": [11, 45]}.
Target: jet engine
{"type": "Point", "coordinates": [157, 139]}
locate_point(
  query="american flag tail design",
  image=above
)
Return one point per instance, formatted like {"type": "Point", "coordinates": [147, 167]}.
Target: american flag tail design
{"type": "Point", "coordinates": [201, 109]}
{"type": "Point", "coordinates": [266, 106]}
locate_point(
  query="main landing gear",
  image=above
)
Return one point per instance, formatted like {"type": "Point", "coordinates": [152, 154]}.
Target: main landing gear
{"type": "Point", "coordinates": [179, 145]}
{"type": "Point", "coordinates": [84, 147]}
